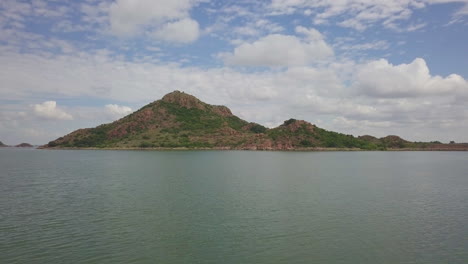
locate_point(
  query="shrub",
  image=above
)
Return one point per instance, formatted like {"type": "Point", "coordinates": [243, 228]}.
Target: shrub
{"type": "Point", "coordinates": [145, 145]}
{"type": "Point", "coordinates": [306, 143]}
{"type": "Point", "coordinates": [258, 129]}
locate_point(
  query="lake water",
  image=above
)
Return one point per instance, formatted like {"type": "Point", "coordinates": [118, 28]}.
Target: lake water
{"type": "Point", "coordinates": [68, 206]}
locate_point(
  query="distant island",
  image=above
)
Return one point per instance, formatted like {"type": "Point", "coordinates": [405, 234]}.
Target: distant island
{"type": "Point", "coordinates": [181, 121]}
{"type": "Point", "coordinates": [24, 145]}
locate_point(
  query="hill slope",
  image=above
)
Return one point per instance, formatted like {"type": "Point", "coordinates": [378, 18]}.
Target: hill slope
{"type": "Point", "coordinates": [180, 120]}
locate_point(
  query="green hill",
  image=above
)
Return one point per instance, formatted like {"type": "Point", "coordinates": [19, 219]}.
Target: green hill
{"type": "Point", "coordinates": [180, 120]}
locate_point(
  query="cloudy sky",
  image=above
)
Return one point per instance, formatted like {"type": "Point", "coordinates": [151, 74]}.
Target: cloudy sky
{"type": "Point", "coordinates": [355, 66]}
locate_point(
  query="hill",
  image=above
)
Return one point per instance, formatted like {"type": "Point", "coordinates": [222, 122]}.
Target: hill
{"type": "Point", "coordinates": [24, 145]}
{"type": "Point", "coordinates": [180, 120]}
{"type": "Point", "coordinates": [2, 145]}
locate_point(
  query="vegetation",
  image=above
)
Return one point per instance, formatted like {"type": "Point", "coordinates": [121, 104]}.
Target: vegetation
{"type": "Point", "coordinates": [256, 128]}
{"type": "Point", "coordinates": [182, 121]}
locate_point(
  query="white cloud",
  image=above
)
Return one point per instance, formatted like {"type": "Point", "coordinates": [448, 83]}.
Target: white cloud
{"type": "Point", "coordinates": [350, 96]}
{"type": "Point", "coordinates": [415, 27]}
{"type": "Point", "coordinates": [382, 79]}
{"type": "Point", "coordinates": [131, 17]}
{"type": "Point", "coordinates": [257, 27]}
{"type": "Point", "coordinates": [281, 50]}
{"type": "Point", "coordinates": [117, 111]}
{"type": "Point", "coordinates": [376, 45]}
{"type": "Point", "coordinates": [359, 14]}
{"type": "Point", "coordinates": [428, 103]}
{"type": "Point", "coordinates": [182, 31]}
{"type": "Point", "coordinates": [49, 110]}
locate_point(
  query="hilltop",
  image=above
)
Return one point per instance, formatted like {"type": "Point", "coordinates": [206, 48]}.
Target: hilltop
{"type": "Point", "coordinates": [180, 120]}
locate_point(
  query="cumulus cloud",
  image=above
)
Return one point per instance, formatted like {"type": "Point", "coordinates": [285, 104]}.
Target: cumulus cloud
{"type": "Point", "coordinates": [382, 79]}
{"type": "Point", "coordinates": [182, 31]}
{"type": "Point", "coordinates": [49, 110]}
{"type": "Point", "coordinates": [406, 97]}
{"type": "Point", "coordinates": [117, 111]}
{"type": "Point", "coordinates": [167, 19]}
{"type": "Point", "coordinates": [281, 50]}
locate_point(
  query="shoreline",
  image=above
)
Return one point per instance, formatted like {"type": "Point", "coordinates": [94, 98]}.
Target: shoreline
{"type": "Point", "coordinates": [253, 149]}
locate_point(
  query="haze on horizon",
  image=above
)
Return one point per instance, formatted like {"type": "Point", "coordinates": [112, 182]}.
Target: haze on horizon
{"type": "Point", "coordinates": [355, 66]}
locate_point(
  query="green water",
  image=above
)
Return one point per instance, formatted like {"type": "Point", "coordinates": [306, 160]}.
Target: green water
{"type": "Point", "coordinates": [233, 207]}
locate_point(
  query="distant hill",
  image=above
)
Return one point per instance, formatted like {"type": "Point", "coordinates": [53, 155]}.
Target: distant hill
{"type": "Point", "coordinates": [24, 145]}
{"type": "Point", "coordinates": [2, 145]}
{"type": "Point", "coordinates": [180, 120]}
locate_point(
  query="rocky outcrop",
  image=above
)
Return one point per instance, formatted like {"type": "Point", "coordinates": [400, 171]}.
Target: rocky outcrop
{"type": "Point", "coordinates": [184, 100]}
{"type": "Point", "coordinates": [222, 110]}
{"type": "Point", "coordinates": [294, 125]}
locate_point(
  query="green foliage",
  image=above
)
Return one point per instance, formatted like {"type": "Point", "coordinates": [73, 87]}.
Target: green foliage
{"type": "Point", "coordinates": [337, 140]}
{"type": "Point", "coordinates": [274, 133]}
{"type": "Point", "coordinates": [193, 118]}
{"type": "Point", "coordinates": [256, 128]}
{"type": "Point", "coordinates": [306, 143]}
{"type": "Point", "coordinates": [235, 122]}
{"type": "Point", "coordinates": [145, 144]}
{"type": "Point", "coordinates": [96, 137]}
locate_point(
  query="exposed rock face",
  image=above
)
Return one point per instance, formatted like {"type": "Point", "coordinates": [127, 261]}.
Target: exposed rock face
{"type": "Point", "coordinates": [294, 125]}
{"type": "Point", "coordinates": [180, 120]}
{"type": "Point", "coordinates": [222, 110]}
{"type": "Point", "coordinates": [184, 100]}
{"type": "Point", "coordinates": [24, 145]}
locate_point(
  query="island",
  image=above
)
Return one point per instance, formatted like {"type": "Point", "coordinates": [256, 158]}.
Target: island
{"type": "Point", "coordinates": [182, 121]}
{"type": "Point", "coordinates": [24, 145]}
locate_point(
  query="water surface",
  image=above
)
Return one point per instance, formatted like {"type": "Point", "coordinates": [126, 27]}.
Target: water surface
{"type": "Point", "coordinates": [233, 207]}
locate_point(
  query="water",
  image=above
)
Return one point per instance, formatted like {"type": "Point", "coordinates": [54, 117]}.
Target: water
{"type": "Point", "coordinates": [233, 207]}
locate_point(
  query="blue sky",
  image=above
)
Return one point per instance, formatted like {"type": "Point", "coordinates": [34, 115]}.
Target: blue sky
{"type": "Point", "coordinates": [354, 66]}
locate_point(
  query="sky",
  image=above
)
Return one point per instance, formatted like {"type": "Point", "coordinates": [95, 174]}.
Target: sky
{"type": "Point", "coordinates": [354, 66]}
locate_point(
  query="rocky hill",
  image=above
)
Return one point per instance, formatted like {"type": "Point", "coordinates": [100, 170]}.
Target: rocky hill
{"type": "Point", "coordinates": [180, 120]}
